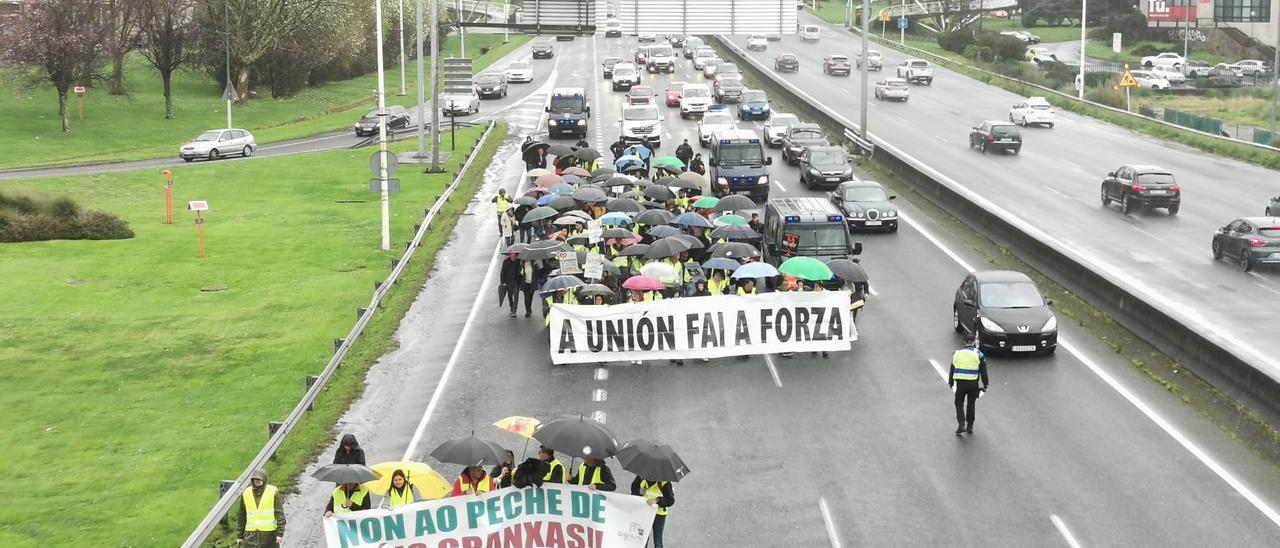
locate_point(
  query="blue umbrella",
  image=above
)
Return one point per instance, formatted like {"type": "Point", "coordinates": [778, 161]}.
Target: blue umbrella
{"type": "Point", "coordinates": [562, 188]}
{"type": "Point", "coordinates": [721, 263]}
{"type": "Point", "coordinates": [691, 219]}
{"type": "Point", "coordinates": [638, 150]}
{"type": "Point", "coordinates": [663, 231]}
{"type": "Point", "coordinates": [628, 160]}
{"type": "Point", "coordinates": [547, 199]}
{"type": "Point", "coordinates": [755, 270]}
{"type": "Point", "coordinates": [616, 218]}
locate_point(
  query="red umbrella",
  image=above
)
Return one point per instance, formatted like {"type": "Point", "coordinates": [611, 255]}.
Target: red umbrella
{"type": "Point", "coordinates": [644, 283]}
{"type": "Point", "coordinates": [549, 179]}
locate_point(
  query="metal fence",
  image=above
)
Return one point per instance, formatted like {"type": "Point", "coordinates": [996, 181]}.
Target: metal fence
{"type": "Point", "coordinates": [279, 431]}
{"type": "Point", "coordinates": [1193, 121]}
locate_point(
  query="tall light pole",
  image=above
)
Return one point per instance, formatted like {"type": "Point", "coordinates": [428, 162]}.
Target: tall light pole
{"type": "Point", "coordinates": [421, 85]}
{"type": "Point", "coordinates": [866, 28]}
{"type": "Point", "coordinates": [1275, 86]}
{"type": "Point", "coordinates": [401, 43]}
{"type": "Point", "coordinates": [435, 87]}
{"type": "Point", "coordinates": [462, 32]}
{"type": "Point", "coordinates": [506, 20]}
{"type": "Point", "coordinates": [1084, 6]}
{"type": "Point", "coordinates": [382, 136]}
{"type": "Point", "coordinates": [226, 23]}
{"type": "Point", "coordinates": [1186, 31]}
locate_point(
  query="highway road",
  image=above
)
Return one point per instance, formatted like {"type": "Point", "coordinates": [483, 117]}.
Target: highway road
{"type": "Point", "coordinates": [1054, 186]}
{"type": "Point", "coordinates": [1074, 449]}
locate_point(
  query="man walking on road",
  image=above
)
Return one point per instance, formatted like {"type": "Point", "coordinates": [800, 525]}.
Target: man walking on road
{"type": "Point", "coordinates": [685, 152]}
{"type": "Point", "coordinates": [261, 522]}
{"type": "Point", "coordinates": [501, 204]}
{"type": "Point", "coordinates": [509, 283]}
{"type": "Point", "coordinates": [968, 365]}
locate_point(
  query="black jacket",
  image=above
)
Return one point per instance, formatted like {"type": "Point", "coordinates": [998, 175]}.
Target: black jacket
{"type": "Point", "coordinates": [606, 478]}
{"type": "Point", "coordinates": [510, 275]}
{"type": "Point", "coordinates": [982, 371]}
{"type": "Point", "coordinates": [353, 456]}
{"type": "Point", "coordinates": [667, 499]}
{"type": "Point", "coordinates": [698, 167]}
{"type": "Point", "coordinates": [684, 152]}
{"type": "Point", "coordinates": [364, 504]}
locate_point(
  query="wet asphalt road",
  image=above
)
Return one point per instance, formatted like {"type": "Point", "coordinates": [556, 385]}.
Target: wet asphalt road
{"type": "Point", "coordinates": [796, 452]}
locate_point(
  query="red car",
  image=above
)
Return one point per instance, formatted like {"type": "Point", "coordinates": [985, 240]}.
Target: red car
{"type": "Point", "coordinates": [673, 94]}
{"type": "Point", "coordinates": [640, 94]}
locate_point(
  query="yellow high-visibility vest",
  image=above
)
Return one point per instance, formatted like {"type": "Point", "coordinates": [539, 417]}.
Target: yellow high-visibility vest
{"type": "Point", "coordinates": [967, 363]}
{"type": "Point", "coordinates": [340, 499]}
{"type": "Point", "coordinates": [595, 477]}
{"type": "Point", "coordinates": [653, 491]}
{"type": "Point", "coordinates": [555, 463]}
{"type": "Point", "coordinates": [652, 296]}
{"type": "Point", "coordinates": [260, 515]}
{"type": "Point", "coordinates": [743, 291]}
{"type": "Point", "coordinates": [502, 203]}
{"type": "Point", "coordinates": [401, 499]}
{"type": "Point", "coordinates": [484, 486]}
{"type": "Point", "coordinates": [717, 288]}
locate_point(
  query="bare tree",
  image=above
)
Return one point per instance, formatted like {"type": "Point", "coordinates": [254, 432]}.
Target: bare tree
{"type": "Point", "coordinates": [251, 28]}
{"type": "Point", "coordinates": [59, 41]}
{"type": "Point", "coordinates": [167, 29]}
{"type": "Point", "coordinates": [121, 18]}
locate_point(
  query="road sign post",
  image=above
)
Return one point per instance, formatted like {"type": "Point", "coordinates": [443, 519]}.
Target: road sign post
{"type": "Point", "coordinates": [902, 26]}
{"type": "Point", "coordinates": [168, 196]}
{"type": "Point", "coordinates": [199, 206]}
{"type": "Point", "coordinates": [1127, 82]}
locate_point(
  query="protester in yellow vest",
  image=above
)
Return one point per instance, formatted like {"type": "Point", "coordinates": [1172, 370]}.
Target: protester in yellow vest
{"type": "Point", "coordinates": [718, 284]}
{"type": "Point", "coordinates": [748, 287]}
{"type": "Point", "coordinates": [472, 481]}
{"type": "Point", "coordinates": [595, 475]}
{"type": "Point", "coordinates": [656, 493]}
{"type": "Point", "coordinates": [501, 204]}
{"type": "Point", "coordinates": [347, 498]}
{"type": "Point", "coordinates": [261, 520]}
{"type": "Point", "coordinates": [555, 470]}
{"type": "Point", "coordinates": [401, 493]}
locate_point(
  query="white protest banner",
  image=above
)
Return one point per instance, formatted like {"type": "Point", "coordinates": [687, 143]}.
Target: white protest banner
{"type": "Point", "coordinates": [595, 266]}
{"type": "Point", "coordinates": [568, 261]}
{"type": "Point", "coordinates": [702, 327]}
{"type": "Point", "coordinates": [555, 515]}
{"type": "Point", "coordinates": [595, 230]}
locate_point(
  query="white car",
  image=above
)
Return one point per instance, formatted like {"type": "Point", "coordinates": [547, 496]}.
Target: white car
{"type": "Point", "coordinates": [625, 75]}
{"type": "Point", "coordinates": [776, 127]}
{"type": "Point", "coordinates": [810, 33]}
{"type": "Point", "coordinates": [709, 67]}
{"type": "Point", "coordinates": [757, 42]}
{"type": "Point", "coordinates": [875, 60]}
{"type": "Point", "coordinates": [1035, 110]}
{"type": "Point", "coordinates": [459, 103]}
{"type": "Point", "coordinates": [519, 72]}
{"type": "Point", "coordinates": [647, 38]}
{"type": "Point", "coordinates": [701, 55]}
{"type": "Point", "coordinates": [216, 143]}
{"type": "Point", "coordinates": [1172, 75]}
{"type": "Point", "coordinates": [1251, 67]}
{"type": "Point", "coordinates": [1026, 37]}
{"type": "Point", "coordinates": [1166, 59]}
{"type": "Point", "coordinates": [716, 120]}
{"type": "Point", "coordinates": [612, 28]}
{"type": "Point", "coordinates": [1039, 54]}
{"type": "Point", "coordinates": [695, 100]}
{"type": "Point", "coordinates": [1148, 79]}
{"type": "Point", "coordinates": [642, 123]}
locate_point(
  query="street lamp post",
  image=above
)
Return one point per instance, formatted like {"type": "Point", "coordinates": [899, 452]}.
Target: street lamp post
{"type": "Point", "coordinates": [401, 45]}
{"type": "Point", "coordinates": [866, 38]}
{"type": "Point", "coordinates": [421, 85]}
{"type": "Point", "coordinates": [1186, 31]}
{"type": "Point", "coordinates": [382, 136]}
{"type": "Point", "coordinates": [1275, 85]}
{"type": "Point", "coordinates": [1084, 6]}
{"type": "Point", "coordinates": [226, 22]}
{"type": "Point", "coordinates": [506, 21]}
{"type": "Point", "coordinates": [435, 87]}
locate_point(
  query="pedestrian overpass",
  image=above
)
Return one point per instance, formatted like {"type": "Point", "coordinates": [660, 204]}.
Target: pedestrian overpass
{"type": "Point", "coordinates": [943, 15]}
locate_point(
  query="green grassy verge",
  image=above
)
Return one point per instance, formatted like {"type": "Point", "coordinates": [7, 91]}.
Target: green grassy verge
{"type": "Point", "coordinates": [957, 63]}
{"type": "Point", "coordinates": [133, 127]}
{"type": "Point", "coordinates": [1100, 50]}
{"type": "Point", "coordinates": [135, 391]}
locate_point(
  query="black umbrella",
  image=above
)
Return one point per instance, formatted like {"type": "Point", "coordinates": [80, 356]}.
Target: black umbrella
{"type": "Point", "coordinates": [686, 185]}
{"type": "Point", "coordinates": [619, 180]}
{"type": "Point", "coordinates": [563, 162]}
{"type": "Point", "coordinates": [561, 203]}
{"type": "Point", "coordinates": [345, 473]}
{"type": "Point", "coordinates": [734, 250]}
{"type": "Point", "coordinates": [625, 205]}
{"type": "Point", "coordinates": [634, 250]}
{"type": "Point", "coordinates": [586, 154]}
{"type": "Point", "coordinates": [666, 247]}
{"type": "Point", "coordinates": [531, 145]}
{"type": "Point", "coordinates": [847, 270]}
{"type": "Point", "coordinates": [603, 170]}
{"type": "Point", "coordinates": [539, 213]}
{"type": "Point", "coordinates": [589, 194]}
{"type": "Point", "coordinates": [694, 241]}
{"type": "Point", "coordinates": [591, 290]}
{"type": "Point", "coordinates": [577, 437]}
{"type": "Point", "coordinates": [575, 180]}
{"type": "Point", "coordinates": [559, 150]}
{"type": "Point", "coordinates": [632, 168]}
{"type": "Point", "coordinates": [617, 233]}
{"type": "Point", "coordinates": [654, 217]}
{"type": "Point", "coordinates": [530, 153]}
{"type": "Point", "coordinates": [651, 461]}
{"type": "Point", "coordinates": [659, 193]}
{"type": "Point", "coordinates": [735, 202]}
{"type": "Point", "coordinates": [544, 249]}
{"type": "Point", "coordinates": [600, 179]}
{"type": "Point", "coordinates": [665, 181]}
{"type": "Point", "coordinates": [731, 232]}
{"type": "Point", "coordinates": [662, 231]}
{"type": "Point", "coordinates": [470, 451]}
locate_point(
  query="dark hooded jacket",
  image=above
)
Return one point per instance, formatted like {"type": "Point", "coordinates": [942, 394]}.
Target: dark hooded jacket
{"type": "Point", "coordinates": [349, 451]}
{"type": "Point", "coordinates": [260, 538]}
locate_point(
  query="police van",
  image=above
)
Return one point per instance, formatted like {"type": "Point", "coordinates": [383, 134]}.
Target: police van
{"type": "Point", "coordinates": [805, 227]}
{"type": "Point", "coordinates": [739, 164]}
{"type": "Point", "coordinates": [567, 112]}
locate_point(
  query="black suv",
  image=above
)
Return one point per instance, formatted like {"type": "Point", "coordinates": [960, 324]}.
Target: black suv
{"type": "Point", "coordinates": [824, 167]}
{"type": "Point", "coordinates": [1136, 187]}
{"type": "Point", "coordinates": [1005, 311]}
{"type": "Point", "coordinates": [994, 135]}
{"type": "Point", "coordinates": [542, 50]}
{"type": "Point", "coordinates": [786, 62]}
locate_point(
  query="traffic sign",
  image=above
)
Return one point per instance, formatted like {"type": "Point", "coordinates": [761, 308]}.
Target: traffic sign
{"type": "Point", "coordinates": [902, 22]}
{"type": "Point", "coordinates": [884, 16]}
{"type": "Point", "coordinates": [381, 157]}
{"type": "Point", "coordinates": [78, 90]}
{"type": "Point", "coordinates": [1126, 80]}
{"type": "Point", "coordinates": [198, 205]}
{"type": "Point", "coordinates": [230, 94]}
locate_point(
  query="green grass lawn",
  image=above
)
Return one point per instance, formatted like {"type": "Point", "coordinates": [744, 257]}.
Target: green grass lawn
{"type": "Point", "coordinates": [1046, 34]}
{"type": "Point", "coordinates": [1102, 50]}
{"type": "Point", "coordinates": [133, 127]}
{"type": "Point", "coordinates": [129, 392]}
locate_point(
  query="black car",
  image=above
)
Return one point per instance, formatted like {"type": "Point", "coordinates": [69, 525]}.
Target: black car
{"type": "Point", "coordinates": [1143, 187]}
{"type": "Point", "coordinates": [1249, 241]}
{"type": "Point", "coordinates": [1005, 311]}
{"type": "Point", "coordinates": [491, 85]}
{"type": "Point", "coordinates": [397, 118]}
{"type": "Point", "coordinates": [995, 135]}
{"type": "Point", "coordinates": [866, 206]}
{"type": "Point", "coordinates": [798, 137]}
{"type": "Point", "coordinates": [608, 63]}
{"type": "Point", "coordinates": [564, 37]}
{"type": "Point", "coordinates": [677, 41]}
{"type": "Point", "coordinates": [542, 50]}
{"type": "Point", "coordinates": [824, 167]}
{"type": "Point", "coordinates": [786, 62]}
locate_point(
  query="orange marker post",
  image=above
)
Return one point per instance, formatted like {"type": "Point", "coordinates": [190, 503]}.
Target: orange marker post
{"type": "Point", "coordinates": [199, 206]}
{"type": "Point", "coordinates": [168, 197]}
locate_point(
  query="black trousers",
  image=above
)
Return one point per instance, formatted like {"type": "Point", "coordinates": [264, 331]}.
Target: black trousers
{"type": "Point", "coordinates": [528, 299]}
{"type": "Point", "coordinates": [966, 391]}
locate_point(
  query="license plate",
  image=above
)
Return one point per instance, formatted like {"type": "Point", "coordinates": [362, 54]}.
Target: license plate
{"type": "Point", "coordinates": [1158, 192]}
{"type": "Point", "coordinates": [873, 223]}
{"type": "Point", "coordinates": [1024, 348]}
{"type": "Point", "coordinates": [833, 179]}
{"type": "Point", "coordinates": [1004, 140]}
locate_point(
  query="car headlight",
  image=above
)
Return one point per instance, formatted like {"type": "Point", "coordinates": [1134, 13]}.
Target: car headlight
{"type": "Point", "coordinates": [552, 122]}
{"type": "Point", "coordinates": [891, 214]}
{"type": "Point", "coordinates": [990, 325]}
{"type": "Point", "coordinates": [356, 125]}
{"type": "Point", "coordinates": [814, 172]}
{"type": "Point", "coordinates": [855, 215]}
{"type": "Point", "coordinates": [1051, 325]}
{"type": "Point", "coordinates": [722, 181]}
{"type": "Point", "coordinates": [764, 180]}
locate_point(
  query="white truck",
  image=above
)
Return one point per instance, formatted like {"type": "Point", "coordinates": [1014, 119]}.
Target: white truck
{"type": "Point", "coordinates": [916, 71]}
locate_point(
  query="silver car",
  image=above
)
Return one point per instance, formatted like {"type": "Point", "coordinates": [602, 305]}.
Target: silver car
{"type": "Point", "coordinates": [216, 143]}
{"type": "Point", "coordinates": [892, 89]}
{"type": "Point", "coordinates": [777, 126]}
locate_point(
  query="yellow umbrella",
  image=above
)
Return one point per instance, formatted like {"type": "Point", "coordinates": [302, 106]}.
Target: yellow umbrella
{"type": "Point", "coordinates": [430, 484]}
{"type": "Point", "coordinates": [520, 426]}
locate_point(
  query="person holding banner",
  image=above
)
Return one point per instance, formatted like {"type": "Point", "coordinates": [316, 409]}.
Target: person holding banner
{"type": "Point", "coordinates": [718, 284]}
{"type": "Point", "coordinates": [472, 481]}
{"type": "Point", "coordinates": [747, 287]}
{"type": "Point", "coordinates": [968, 365]}
{"type": "Point", "coordinates": [660, 494]}
{"type": "Point", "coordinates": [595, 475]}
{"type": "Point", "coordinates": [261, 520]}
{"type": "Point", "coordinates": [346, 498]}
{"type": "Point", "coordinates": [401, 493]}
{"type": "Point", "coordinates": [555, 470]}
{"type": "Point", "coordinates": [503, 474]}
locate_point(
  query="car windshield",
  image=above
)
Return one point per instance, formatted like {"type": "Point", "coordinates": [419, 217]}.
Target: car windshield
{"type": "Point", "coordinates": [740, 154]}
{"type": "Point", "coordinates": [489, 79]}
{"type": "Point", "coordinates": [623, 71]}
{"type": "Point", "coordinates": [1155, 178]}
{"type": "Point", "coordinates": [810, 28]}
{"type": "Point", "coordinates": [717, 119]}
{"type": "Point", "coordinates": [864, 194]}
{"type": "Point", "coordinates": [611, 61]}
{"type": "Point", "coordinates": [783, 120]}
{"type": "Point", "coordinates": [821, 237]}
{"type": "Point", "coordinates": [919, 64]}
{"type": "Point", "coordinates": [642, 91]}
{"type": "Point", "coordinates": [706, 52]}
{"type": "Point", "coordinates": [873, 54]}
{"type": "Point", "coordinates": [639, 114]}
{"type": "Point", "coordinates": [896, 84]}
{"type": "Point", "coordinates": [803, 134]}
{"type": "Point", "coordinates": [788, 57]}
{"type": "Point", "coordinates": [1010, 295]}
{"type": "Point", "coordinates": [1004, 130]}
{"type": "Point", "coordinates": [728, 82]}
{"type": "Point", "coordinates": [726, 68]}
{"type": "Point", "coordinates": [660, 51]}
{"type": "Point", "coordinates": [373, 113]}
{"type": "Point", "coordinates": [518, 66]}
{"type": "Point", "coordinates": [567, 103]}
{"type": "Point", "coordinates": [839, 59]}
{"type": "Point", "coordinates": [213, 135]}
{"type": "Point", "coordinates": [699, 91]}
{"type": "Point", "coordinates": [827, 158]}
{"type": "Point", "coordinates": [754, 97]}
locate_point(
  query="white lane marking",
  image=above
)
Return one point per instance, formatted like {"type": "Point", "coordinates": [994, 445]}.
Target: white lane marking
{"type": "Point", "coordinates": [602, 373]}
{"type": "Point", "coordinates": [941, 138]}
{"type": "Point", "coordinates": [1055, 191]}
{"type": "Point", "coordinates": [1062, 530]}
{"type": "Point", "coordinates": [1153, 236]}
{"type": "Point", "coordinates": [831, 524]}
{"type": "Point", "coordinates": [599, 417]}
{"type": "Point", "coordinates": [599, 394]}
{"type": "Point", "coordinates": [942, 372]}
{"type": "Point", "coordinates": [1142, 406]}
{"type": "Point", "coordinates": [780, 187]}
{"type": "Point", "coordinates": [773, 370]}
{"type": "Point", "coordinates": [1265, 287]}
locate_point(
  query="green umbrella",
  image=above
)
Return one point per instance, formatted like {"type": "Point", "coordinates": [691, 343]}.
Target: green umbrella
{"type": "Point", "coordinates": [806, 268]}
{"type": "Point", "coordinates": [668, 161]}
{"type": "Point", "coordinates": [539, 213]}
{"type": "Point", "coordinates": [526, 201]}
{"type": "Point", "coordinates": [706, 202]}
{"type": "Point", "coordinates": [730, 220]}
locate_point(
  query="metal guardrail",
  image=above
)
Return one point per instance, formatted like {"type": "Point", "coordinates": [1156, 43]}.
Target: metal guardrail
{"type": "Point", "coordinates": [393, 134]}
{"type": "Point", "coordinates": [1059, 94]}
{"type": "Point", "coordinates": [281, 430]}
